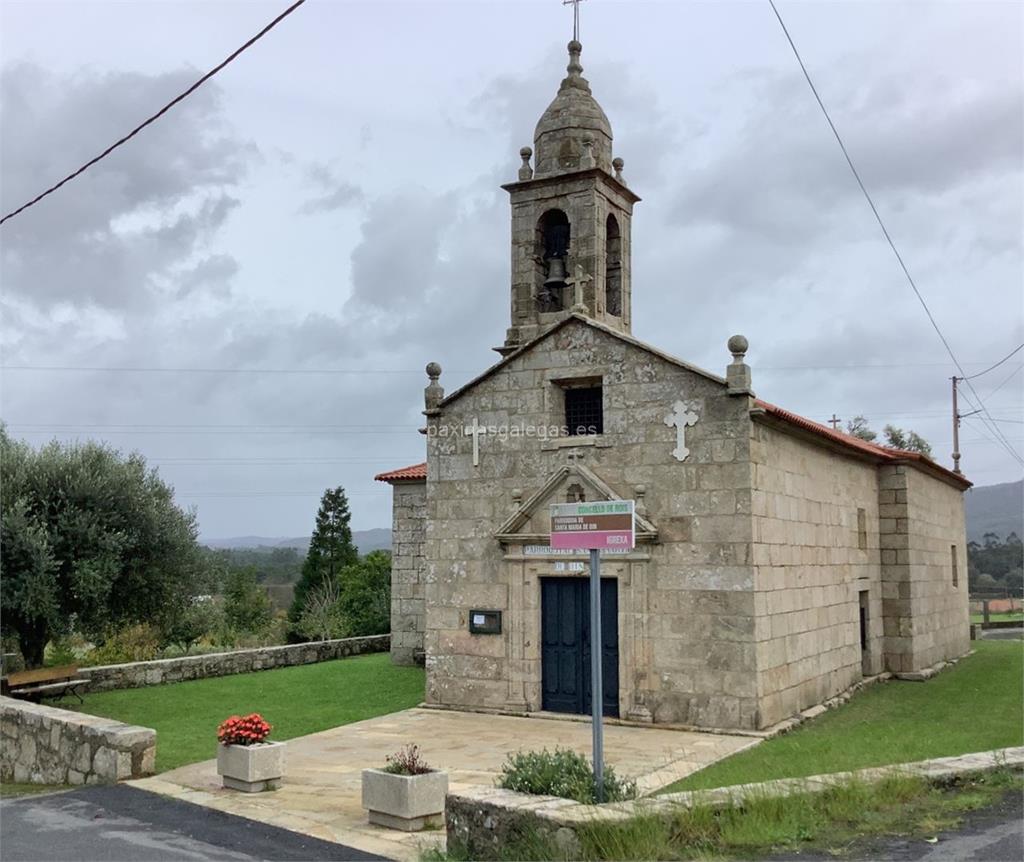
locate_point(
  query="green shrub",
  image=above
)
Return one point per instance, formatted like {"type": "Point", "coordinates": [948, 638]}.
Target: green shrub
{"type": "Point", "coordinates": [135, 643]}
{"type": "Point", "coordinates": [561, 772]}
{"type": "Point", "coordinates": [59, 652]}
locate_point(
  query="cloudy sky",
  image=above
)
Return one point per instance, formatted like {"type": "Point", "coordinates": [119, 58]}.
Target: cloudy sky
{"type": "Point", "coordinates": [248, 291]}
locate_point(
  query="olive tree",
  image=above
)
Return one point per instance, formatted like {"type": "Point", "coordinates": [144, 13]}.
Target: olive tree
{"type": "Point", "coordinates": [89, 540]}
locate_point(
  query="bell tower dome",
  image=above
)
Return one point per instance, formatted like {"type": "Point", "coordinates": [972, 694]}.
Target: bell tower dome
{"type": "Point", "coordinates": [571, 217]}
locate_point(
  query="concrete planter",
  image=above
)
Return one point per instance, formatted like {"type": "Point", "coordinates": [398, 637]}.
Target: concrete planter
{"type": "Point", "coordinates": [406, 802]}
{"type": "Point", "coordinates": [251, 768]}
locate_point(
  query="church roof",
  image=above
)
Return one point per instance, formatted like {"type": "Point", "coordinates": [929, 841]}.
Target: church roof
{"type": "Point", "coordinates": [882, 454]}
{"type": "Point", "coordinates": [412, 473]}
{"type": "Point", "coordinates": [865, 447]}
{"type": "Point", "coordinates": [572, 118]}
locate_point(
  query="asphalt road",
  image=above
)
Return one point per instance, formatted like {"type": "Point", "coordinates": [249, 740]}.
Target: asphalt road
{"type": "Point", "coordinates": [122, 824]}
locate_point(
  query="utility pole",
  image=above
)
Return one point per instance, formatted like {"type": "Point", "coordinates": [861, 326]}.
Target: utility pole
{"type": "Point", "coordinates": [956, 430]}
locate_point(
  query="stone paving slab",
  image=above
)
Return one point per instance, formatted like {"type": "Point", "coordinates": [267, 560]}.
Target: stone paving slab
{"type": "Point", "coordinates": [320, 795]}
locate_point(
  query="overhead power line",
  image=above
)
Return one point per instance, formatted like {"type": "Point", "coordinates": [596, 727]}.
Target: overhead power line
{"type": "Point", "coordinates": [1000, 362]}
{"type": "Point", "coordinates": [1005, 380]}
{"type": "Point", "coordinates": [983, 410]}
{"type": "Point", "coordinates": [156, 369]}
{"type": "Point", "coordinates": [157, 115]}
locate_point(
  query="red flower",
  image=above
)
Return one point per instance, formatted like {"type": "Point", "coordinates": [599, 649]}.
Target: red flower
{"type": "Point", "coordinates": [249, 730]}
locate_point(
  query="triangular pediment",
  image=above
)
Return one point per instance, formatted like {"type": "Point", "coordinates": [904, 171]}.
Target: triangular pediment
{"type": "Point", "coordinates": [531, 521]}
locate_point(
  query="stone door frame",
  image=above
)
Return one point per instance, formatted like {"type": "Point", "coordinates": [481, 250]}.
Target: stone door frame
{"type": "Point", "coordinates": [524, 627]}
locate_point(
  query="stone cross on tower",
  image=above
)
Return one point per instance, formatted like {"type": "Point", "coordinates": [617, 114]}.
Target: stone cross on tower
{"type": "Point", "coordinates": [575, 17]}
{"type": "Point", "coordinates": [681, 418]}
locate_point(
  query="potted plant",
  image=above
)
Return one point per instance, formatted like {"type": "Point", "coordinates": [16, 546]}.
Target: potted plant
{"type": "Point", "coordinates": [406, 794]}
{"type": "Point", "coordinates": [245, 760]}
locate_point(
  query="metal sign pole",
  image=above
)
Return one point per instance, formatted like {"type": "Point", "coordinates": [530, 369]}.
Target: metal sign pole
{"type": "Point", "coordinates": [596, 681]}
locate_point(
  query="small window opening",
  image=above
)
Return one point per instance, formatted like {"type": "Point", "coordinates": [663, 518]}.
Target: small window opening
{"type": "Point", "coordinates": [863, 621]}
{"type": "Point", "coordinates": [613, 268]}
{"type": "Point", "coordinates": [575, 494]}
{"type": "Point", "coordinates": [584, 411]}
{"type": "Point", "coordinates": [952, 559]}
{"type": "Point", "coordinates": [553, 238]}
{"type": "Point", "coordinates": [862, 529]}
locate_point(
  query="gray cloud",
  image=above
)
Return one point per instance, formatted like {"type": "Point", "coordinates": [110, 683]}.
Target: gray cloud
{"type": "Point", "coordinates": [750, 223]}
{"type": "Point", "coordinates": [117, 234]}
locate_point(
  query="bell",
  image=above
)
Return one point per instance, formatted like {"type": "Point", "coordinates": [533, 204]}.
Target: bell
{"type": "Point", "coordinates": [556, 271]}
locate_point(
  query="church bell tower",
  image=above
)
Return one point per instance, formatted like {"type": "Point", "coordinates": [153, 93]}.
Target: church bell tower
{"type": "Point", "coordinates": [571, 217]}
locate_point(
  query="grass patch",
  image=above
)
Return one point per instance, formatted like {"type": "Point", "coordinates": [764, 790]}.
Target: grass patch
{"type": "Point", "coordinates": [830, 821]}
{"type": "Point", "coordinates": [295, 700]}
{"type": "Point", "coordinates": [1008, 616]}
{"type": "Point", "coordinates": [974, 706]}
{"type": "Point", "coordinates": [13, 789]}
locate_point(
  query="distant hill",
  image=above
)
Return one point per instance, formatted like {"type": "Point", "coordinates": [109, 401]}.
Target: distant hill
{"type": "Point", "coordinates": [995, 509]}
{"type": "Point", "coordinates": [379, 538]}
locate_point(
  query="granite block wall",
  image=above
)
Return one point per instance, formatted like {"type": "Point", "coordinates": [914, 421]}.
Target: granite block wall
{"type": "Point", "coordinates": [45, 745]}
{"type": "Point", "coordinates": [408, 611]}
{"type": "Point", "coordinates": [143, 673]}
{"type": "Point", "coordinates": [815, 549]}
{"type": "Point", "coordinates": [686, 633]}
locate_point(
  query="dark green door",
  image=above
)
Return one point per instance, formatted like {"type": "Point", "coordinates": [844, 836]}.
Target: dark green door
{"type": "Point", "coordinates": [565, 647]}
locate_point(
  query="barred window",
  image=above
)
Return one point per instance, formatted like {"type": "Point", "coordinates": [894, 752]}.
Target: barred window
{"type": "Point", "coordinates": [584, 411]}
{"type": "Point", "coordinates": [952, 559]}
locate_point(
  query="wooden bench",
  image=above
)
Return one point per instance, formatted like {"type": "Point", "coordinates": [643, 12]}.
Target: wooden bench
{"type": "Point", "coordinates": [43, 682]}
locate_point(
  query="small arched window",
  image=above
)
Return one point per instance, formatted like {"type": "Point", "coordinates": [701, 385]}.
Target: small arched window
{"type": "Point", "coordinates": [613, 267]}
{"type": "Point", "coordinates": [553, 239]}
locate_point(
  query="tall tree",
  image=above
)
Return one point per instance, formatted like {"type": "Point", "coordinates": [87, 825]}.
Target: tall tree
{"type": "Point", "coordinates": [246, 603]}
{"type": "Point", "coordinates": [909, 441]}
{"type": "Point", "coordinates": [330, 550]}
{"type": "Point", "coordinates": [89, 539]}
{"type": "Point", "coordinates": [858, 427]}
{"type": "Point", "coordinates": [366, 597]}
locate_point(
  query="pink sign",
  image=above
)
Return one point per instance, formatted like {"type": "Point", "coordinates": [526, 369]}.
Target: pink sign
{"type": "Point", "coordinates": [605, 525]}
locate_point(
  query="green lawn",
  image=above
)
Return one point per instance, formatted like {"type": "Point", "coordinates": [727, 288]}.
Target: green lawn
{"type": "Point", "coordinates": [975, 706]}
{"type": "Point", "coordinates": [1007, 617]}
{"type": "Point", "coordinates": [295, 700]}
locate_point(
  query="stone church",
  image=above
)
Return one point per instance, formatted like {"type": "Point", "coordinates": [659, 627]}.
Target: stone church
{"type": "Point", "coordinates": [777, 561]}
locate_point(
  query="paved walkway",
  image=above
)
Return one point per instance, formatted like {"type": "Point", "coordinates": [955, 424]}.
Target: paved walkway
{"type": "Point", "coordinates": [321, 792]}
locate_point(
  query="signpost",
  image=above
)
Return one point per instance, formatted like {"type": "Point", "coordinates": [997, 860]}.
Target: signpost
{"type": "Point", "coordinates": [603, 525]}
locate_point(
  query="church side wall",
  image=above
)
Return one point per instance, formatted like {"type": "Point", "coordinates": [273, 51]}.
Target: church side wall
{"type": "Point", "coordinates": [685, 602]}
{"type": "Point", "coordinates": [408, 613]}
{"type": "Point", "coordinates": [937, 532]}
{"type": "Point", "coordinates": [811, 564]}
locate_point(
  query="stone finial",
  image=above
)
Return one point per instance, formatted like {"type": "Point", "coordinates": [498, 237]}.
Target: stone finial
{"type": "Point", "coordinates": [434, 392]}
{"type": "Point", "coordinates": [618, 163]}
{"type": "Point", "coordinates": [575, 68]}
{"type": "Point", "coordinates": [639, 493]}
{"type": "Point", "coordinates": [587, 159]}
{"type": "Point", "coordinates": [737, 374]}
{"type": "Point", "coordinates": [525, 171]}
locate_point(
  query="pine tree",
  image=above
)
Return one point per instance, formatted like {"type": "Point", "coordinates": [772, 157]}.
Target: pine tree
{"type": "Point", "coordinates": [330, 550]}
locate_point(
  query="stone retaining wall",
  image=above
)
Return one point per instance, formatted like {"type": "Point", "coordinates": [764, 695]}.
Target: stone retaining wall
{"type": "Point", "coordinates": [45, 745]}
{"type": "Point", "coordinates": [482, 820]}
{"type": "Point", "coordinates": [143, 673]}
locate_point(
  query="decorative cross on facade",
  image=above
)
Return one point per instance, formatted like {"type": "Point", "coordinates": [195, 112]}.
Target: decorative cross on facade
{"type": "Point", "coordinates": [476, 430]}
{"type": "Point", "coordinates": [834, 422]}
{"type": "Point", "coordinates": [681, 418]}
{"type": "Point", "coordinates": [575, 17]}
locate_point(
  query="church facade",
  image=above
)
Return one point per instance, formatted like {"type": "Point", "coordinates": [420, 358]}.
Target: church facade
{"type": "Point", "coordinates": [778, 561]}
